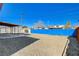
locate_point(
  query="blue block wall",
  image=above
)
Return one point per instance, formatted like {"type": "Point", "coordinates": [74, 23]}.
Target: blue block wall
{"type": "Point", "coordinates": [64, 32]}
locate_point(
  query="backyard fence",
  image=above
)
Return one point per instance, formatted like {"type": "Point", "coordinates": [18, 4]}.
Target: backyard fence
{"type": "Point", "coordinates": [65, 32]}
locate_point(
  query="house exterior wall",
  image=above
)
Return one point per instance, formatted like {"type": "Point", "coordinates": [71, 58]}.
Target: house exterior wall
{"type": "Point", "coordinates": [14, 29]}
{"type": "Point", "coordinates": [17, 29]}
{"type": "Point", "coordinates": [5, 29]}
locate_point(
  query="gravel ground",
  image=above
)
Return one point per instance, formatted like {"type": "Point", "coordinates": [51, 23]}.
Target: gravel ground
{"type": "Point", "coordinates": [8, 46]}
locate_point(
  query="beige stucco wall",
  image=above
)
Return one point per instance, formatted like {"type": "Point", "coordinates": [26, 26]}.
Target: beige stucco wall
{"type": "Point", "coordinates": [8, 30]}
{"type": "Point", "coordinates": [16, 29]}
{"type": "Point", "coordinates": [4, 29]}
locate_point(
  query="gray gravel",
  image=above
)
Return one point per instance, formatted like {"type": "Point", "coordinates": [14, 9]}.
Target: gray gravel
{"type": "Point", "coordinates": [9, 46]}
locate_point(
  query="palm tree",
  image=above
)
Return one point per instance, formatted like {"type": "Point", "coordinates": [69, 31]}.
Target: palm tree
{"type": "Point", "coordinates": [1, 5]}
{"type": "Point", "coordinates": [20, 21]}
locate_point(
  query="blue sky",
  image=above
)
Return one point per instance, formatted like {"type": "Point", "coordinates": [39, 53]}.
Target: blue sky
{"type": "Point", "coordinates": [49, 13]}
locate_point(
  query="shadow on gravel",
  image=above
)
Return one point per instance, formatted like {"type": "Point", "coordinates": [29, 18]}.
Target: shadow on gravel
{"type": "Point", "coordinates": [11, 45]}
{"type": "Point", "coordinates": [72, 45]}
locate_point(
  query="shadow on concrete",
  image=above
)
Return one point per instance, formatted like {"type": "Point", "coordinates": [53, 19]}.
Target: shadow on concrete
{"type": "Point", "coordinates": [11, 45]}
{"type": "Point", "coordinates": [12, 34]}
{"type": "Point", "coordinates": [72, 49]}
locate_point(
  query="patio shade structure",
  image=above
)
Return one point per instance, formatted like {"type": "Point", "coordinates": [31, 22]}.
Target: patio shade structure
{"type": "Point", "coordinates": [7, 24]}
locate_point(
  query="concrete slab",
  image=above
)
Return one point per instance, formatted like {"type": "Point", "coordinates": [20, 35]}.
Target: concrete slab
{"type": "Point", "coordinates": [48, 45]}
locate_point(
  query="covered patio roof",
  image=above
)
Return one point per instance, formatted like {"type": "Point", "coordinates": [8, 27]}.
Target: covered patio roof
{"type": "Point", "coordinates": [7, 24]}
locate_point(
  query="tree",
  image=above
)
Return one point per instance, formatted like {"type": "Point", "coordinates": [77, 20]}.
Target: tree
{"type": "Point", "coordinates": [68, 25]}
